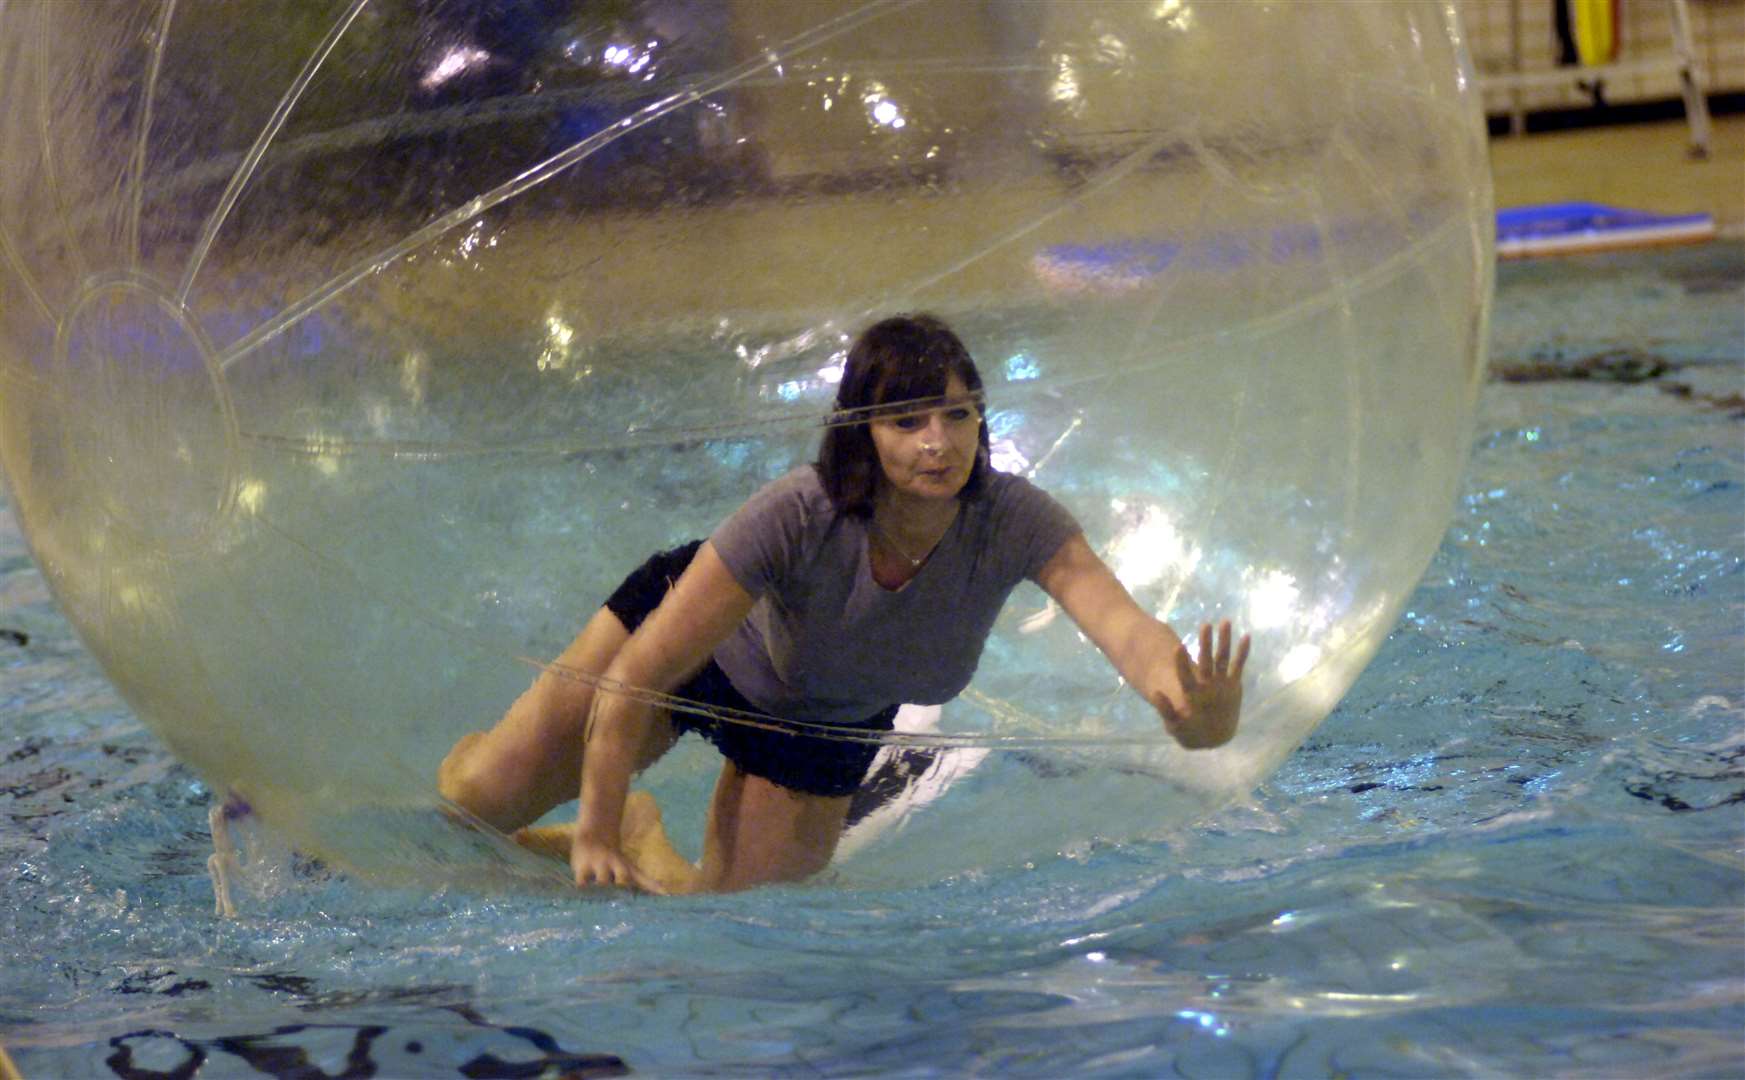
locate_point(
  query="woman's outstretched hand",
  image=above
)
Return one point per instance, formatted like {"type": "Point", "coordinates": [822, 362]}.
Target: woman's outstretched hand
{"type": "Point", "coordinates": [1203, 713]}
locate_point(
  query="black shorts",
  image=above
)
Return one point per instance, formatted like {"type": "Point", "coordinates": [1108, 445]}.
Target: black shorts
{"type": "Point", "coordinates": [796, 756]}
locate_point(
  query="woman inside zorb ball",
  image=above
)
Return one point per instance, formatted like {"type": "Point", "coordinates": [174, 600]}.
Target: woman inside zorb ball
{"type": "Point", "coordinates": [867, 579]}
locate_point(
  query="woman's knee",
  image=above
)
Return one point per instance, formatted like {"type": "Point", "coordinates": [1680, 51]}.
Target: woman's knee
{"type": "Point", "coordinates": [501, 780]}
{"type": "Point", "coordinates": [461, 778]}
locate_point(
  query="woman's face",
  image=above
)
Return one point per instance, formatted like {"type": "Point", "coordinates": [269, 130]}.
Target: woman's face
{"type": "Point", "coordinates": [930, 453]}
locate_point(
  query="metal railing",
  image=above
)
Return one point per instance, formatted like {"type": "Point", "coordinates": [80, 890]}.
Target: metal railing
{"type": "Point", "coordinates": [1682, 61]}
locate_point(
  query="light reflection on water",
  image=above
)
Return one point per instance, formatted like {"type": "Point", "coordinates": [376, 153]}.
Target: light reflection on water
{"type": "Point", "coordinates": [1513, 849]}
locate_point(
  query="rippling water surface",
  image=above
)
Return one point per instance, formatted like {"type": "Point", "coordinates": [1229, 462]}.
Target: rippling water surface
{"type": "Point", "coordinates": [1518, 847]}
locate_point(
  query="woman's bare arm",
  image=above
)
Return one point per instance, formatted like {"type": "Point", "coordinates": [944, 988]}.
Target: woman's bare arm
{"type": "Point", "coordinates": [701, 609]}
{"type": "Point", "coordinates": [1198, 701]}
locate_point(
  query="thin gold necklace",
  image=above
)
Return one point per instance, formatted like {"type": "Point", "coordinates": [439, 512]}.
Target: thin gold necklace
{"type": "Point", "coordinates": [891, 541]}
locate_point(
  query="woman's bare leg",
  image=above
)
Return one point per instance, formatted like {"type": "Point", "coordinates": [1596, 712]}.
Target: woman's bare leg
{"type": "Point", "coordinates": [532, 760]}
{"type": "Point", "coordinates": [760, 833]}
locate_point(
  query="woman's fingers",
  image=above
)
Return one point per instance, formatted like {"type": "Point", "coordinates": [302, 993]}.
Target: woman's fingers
{"type": "Point", "coordinates": [1184, 669]}
{"type": "Point", "coordinates": [598, 878]}
{"type": "Point", "coordinates": [1214, 651]}
{"type": "Point", "coordinates": [594, 867]}
{"type": "Point", "coordinates": [1220, 653]}
{"type": "Point", "coordinates": [615, 873]}
{"type": "Point", "coordinates": [1215, 655]}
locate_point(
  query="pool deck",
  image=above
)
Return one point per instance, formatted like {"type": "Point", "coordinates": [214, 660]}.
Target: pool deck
{"type": "Point", "coordinates": [609, 274]}
{"type": "Point", "coordinates": [1641, 166]}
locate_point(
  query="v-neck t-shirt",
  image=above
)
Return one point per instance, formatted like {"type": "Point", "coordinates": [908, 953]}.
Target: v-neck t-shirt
{"type": "Point", "coordinates": [826, 643]}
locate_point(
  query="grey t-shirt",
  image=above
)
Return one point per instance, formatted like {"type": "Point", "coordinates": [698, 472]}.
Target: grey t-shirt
{"type": "Point", "coordinates": [826, 643]}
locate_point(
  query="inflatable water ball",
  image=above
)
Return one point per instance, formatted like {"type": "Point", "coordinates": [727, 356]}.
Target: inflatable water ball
{"type": "Point", "coordinates": [352, 351]}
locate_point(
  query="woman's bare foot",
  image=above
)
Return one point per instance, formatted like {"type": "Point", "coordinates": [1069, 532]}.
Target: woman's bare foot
{"type": "Point", "coordinates": [552, 841]}
{"type": "Point", "coordinates": [641, 821]}
{"type": "Point", "coordinates": [641, 836]}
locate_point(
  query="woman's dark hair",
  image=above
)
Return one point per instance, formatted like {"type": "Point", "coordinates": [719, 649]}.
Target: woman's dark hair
{"type": "Point", "coordinates": [905, 358]}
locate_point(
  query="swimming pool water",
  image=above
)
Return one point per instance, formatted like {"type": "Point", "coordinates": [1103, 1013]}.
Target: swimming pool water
{"type": "Point", "coordinates": [1517, 847]}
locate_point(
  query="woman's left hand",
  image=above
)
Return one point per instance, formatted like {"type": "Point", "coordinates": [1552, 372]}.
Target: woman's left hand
{"type": "Point", "coordinates": [1203, 710]}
